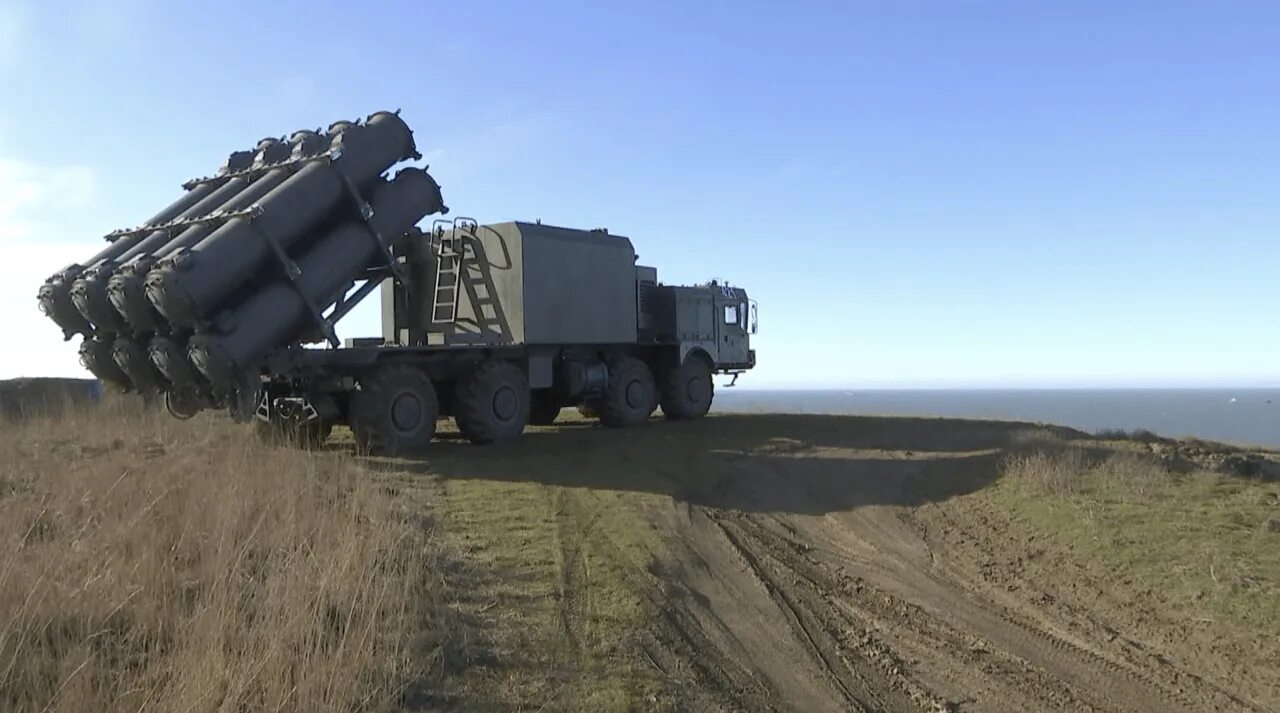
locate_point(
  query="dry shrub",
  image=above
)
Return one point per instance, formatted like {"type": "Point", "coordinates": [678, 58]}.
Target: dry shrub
{"type": "Point", "coordinates": [1070, 471]}
{"type": "Point", "coordinates": [1134, 476]}
{"type": "Point", "coordinates": [1033, 437]}
{"type": "Point", "coordinates": [1059, 472]}
{"type": "Point", "coordinates": [1137, 435]}
{"type": "Point", "coordinates": [1200, 444]}
{"type": "Point", "coordinates": [151, 564]}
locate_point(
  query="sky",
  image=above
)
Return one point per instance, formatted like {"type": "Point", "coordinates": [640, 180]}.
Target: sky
{"type": "Point", "coordinates": [919, 194]}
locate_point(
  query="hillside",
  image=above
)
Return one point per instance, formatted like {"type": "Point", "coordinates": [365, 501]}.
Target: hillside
{"type": "Point", "coordinates": [755, 562]}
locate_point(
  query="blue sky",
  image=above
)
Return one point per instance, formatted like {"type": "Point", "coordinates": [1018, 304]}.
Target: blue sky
{"type": "Point", "coordinates": [919, 194]}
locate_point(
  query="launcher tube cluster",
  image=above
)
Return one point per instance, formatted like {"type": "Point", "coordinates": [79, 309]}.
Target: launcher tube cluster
{"type": "Point", "coordinates": [245, 261]}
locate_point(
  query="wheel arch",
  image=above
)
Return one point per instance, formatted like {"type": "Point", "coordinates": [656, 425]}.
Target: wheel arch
{"type": "Point", "coordinates": [700, 354]}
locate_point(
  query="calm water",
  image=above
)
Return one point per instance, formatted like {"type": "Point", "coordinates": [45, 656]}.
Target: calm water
{"type": "Point", "coordinates": [1247, 416]}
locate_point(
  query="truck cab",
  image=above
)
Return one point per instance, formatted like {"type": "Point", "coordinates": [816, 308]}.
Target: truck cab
{"type": "Point", "coordinates": [737, 322]}
{"type": "Point", "coordinates": [713, 321]}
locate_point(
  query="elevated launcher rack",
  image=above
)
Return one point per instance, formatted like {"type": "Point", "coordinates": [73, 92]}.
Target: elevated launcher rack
{"type": "Point", "coordinates": [212, 299]}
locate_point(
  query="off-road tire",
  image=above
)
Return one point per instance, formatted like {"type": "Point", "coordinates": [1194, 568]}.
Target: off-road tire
{"type": "Point", "coordinates": [631, 394]}
{"type": "Point", "coordinates": [544, 407]}
{"type": "Point", "coordinates": [278, 432]}
{"type": "Point", "coordinates": [492, 402]}
{"type": "Point", "coordinates": [687, 391]}
{"type": "Point", "coordinates": [394, 411]}
{"type": "Point", "coordinates": [589, 410]}
{"type": "Point", "coordinates": [182, 405]}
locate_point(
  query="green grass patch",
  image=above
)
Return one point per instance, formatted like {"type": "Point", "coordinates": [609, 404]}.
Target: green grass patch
{"type": "Point", "coordinates": [1200, 540]}
{"type": "Point", "coordinates": [556, 592]}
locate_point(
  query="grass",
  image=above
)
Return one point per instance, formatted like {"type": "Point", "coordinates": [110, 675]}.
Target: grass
{"type": "Point", "coordinates": [151, 564]}
{"type": "Point", "coordinates": [1200, 540]}
{"type": "Point", "coordinates": [555, 584]}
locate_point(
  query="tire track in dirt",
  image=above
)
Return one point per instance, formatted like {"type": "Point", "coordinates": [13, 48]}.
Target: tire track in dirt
{"type": "Point", "coordinates": [781, 574]}
{"type": "Point", "coordinates": [675, 649]}
{"type": "Point", "coordinates": [673, 645]}
{"type": "Point", "coordinates": [573, 577]}
{"type": "Point", "coordinates": [864, 617]}
{"type": "Point", "coordinates": [1108, 674]}
{"type": "Point", "coordinates": [746, 619]}
{"type": "Point", "coordinates": [1076, 632]}
{"type": "Point", "coordinates": [1097, 673]}
{"type": "Point", "coordinates": [863, 673]}
{"type": "Point", "coordinates": [916, 633]}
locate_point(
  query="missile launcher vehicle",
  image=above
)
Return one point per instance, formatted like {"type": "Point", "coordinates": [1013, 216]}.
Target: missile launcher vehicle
{"type": "Point", "coordinates": [219, 300]}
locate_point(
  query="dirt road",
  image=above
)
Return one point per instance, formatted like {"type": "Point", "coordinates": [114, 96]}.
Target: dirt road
{"type": "Point", "coordinates": [787, 563]}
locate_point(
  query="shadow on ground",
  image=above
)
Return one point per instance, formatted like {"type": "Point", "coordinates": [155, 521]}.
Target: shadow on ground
{"type": "Point", "coordinates": [809, 464]}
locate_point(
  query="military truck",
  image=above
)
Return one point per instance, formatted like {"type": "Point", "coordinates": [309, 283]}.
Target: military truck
{"type": "Point", "coordinates": [216, 301]}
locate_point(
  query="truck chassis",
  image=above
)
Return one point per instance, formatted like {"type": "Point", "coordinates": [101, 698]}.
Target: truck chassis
{"type": "Point", "coordinates": [392, 396]}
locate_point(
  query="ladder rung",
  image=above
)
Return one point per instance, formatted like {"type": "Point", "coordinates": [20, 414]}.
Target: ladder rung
{"type": "Point", "coordinates": [448, 280]}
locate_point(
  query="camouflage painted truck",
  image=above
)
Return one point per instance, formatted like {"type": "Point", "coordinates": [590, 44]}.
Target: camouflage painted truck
{"type": "Point", "coordinates": [215, 300]}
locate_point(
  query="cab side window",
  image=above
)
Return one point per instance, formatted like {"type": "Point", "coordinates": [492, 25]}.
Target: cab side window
{"type": "Point", "coordinates": [730, 314]}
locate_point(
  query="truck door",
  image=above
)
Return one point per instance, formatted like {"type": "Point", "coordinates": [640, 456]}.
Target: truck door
{"type": "Point", "coordinates": [731, 327]}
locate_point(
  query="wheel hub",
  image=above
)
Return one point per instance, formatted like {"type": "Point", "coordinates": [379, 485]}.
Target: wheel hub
{"type": "Point", "coordinates": [635, 394]}
{"type": "Point", "coordinates": [406, 412]}
{"type": "Point", "coordinates": [696, 390]}
{"type": "Point", "coordinates": [505, 403]}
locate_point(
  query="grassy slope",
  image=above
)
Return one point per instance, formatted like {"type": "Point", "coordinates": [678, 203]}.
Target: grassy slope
{"type": "Point", "coordinates": [1191, 546]}
{"type": "Point", "coordinates": [151, 564]}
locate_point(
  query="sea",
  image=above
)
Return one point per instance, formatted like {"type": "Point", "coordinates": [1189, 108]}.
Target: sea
{"type": "Point", "coordinates": [1240, 416]}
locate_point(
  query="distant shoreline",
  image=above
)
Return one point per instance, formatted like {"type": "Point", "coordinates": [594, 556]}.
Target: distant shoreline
{"type": "Point", "coordinates": [1244, 416]}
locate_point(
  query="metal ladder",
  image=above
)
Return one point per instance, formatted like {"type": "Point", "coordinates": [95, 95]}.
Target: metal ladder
{"type": "Point", "coordinates": [450, 251]}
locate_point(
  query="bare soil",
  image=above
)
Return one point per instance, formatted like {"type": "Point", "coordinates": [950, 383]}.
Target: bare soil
{"type": "Point", "coordinates": [805, 563]}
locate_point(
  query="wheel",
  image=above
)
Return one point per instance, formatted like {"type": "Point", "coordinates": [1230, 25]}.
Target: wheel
{"type": "Point", "coordinates": [589, 410]}
{"type": "Point", "coordinates": [687, 391]}
{"type": "Point", "coordinates": [394, 411]}
{"type": "Point", "coordinates": [278, 432]}
{"type": "Point", "coordinates": [242, 403]}
{"type": "Point", "coordinates": [544, 407]}
{"type": "Point", "coordinates": [492, 402]}
{"type": "Point", "coordinates": [630, 396]}
{"type": "Point", "coordinates": [182, 405]}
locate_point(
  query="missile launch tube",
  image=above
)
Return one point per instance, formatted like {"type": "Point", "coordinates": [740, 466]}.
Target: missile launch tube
{"type": "Point", "coordinates": [95, 355]}
{"type": "Point", "coordinates": [127, 290]}
{"type": "Point", "coordinates": [169, 356]}
{"type": "Point", "coordinates": [132, 360]}
{"type": "Point", "coordinates": [270, 151]}
{"type": "Point", "coordinates": [236, 162]}
{"type": "Point", "coordinates": [189, 286]}
{"type": "Point", "coordinates": [131, 355]}
{"type": "Point", "coordinates": [279, 313]}
{"type": "Point", "coordinates": [55, 295]}
{"type": "Point", "coordinates": [89, 292]}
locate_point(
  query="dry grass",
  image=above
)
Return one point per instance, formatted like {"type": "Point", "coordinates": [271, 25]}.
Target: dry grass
{"type": "Point", "coordinates": [151, 564]}
{"type": "Point", "coordinates": [1056, 472]}
{"type": "Point", "coordinates": [1199, 539]}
